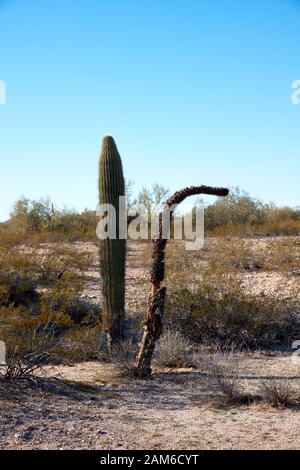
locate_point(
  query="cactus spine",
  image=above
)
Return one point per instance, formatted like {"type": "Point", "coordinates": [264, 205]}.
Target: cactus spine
{"type": "Point", "coordinates": [112, 251]}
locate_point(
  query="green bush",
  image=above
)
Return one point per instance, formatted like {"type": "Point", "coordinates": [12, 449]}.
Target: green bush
{"type": "Point", "coordinates": [239, 213]}
{"type": "Point", "coordinates": [237, 208]}
{"type": "Point", "coordinates": [218, 310]}
{"type": "Point", "coordinates": [41, 312]}
{"type": "Point", "coordinates": [41, 220]}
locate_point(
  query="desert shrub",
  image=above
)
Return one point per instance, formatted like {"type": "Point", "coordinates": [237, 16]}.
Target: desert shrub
{"type": "Point", "coordinates": [17, 291]}
{"type": "Point", "coordinates": [40, 290]}
{"type": "Point", "coordinates": [25, 368]}
{"type": "Point", "coordinates": [79, 225]}
{"type": "Point", "coordinates": [34, 340]}
{"type": "Point", "coordinates": [29, 342]}
{"type": "Point", "coordinates": [23, 273]}
{"type": "Point", "coordinates": [49, 327]}
{"type": "Point", "coordinates": [240, 255]}
{"type": "Point", "coordinates": [61, 260]}
{"type": "Point", "coordinates": [9, 237]}
{"type": "Point", "coordinates": [239, 213]}
{"type": "Point", "coordinates": [279, 393]}
{"type": "Point", "coordinates": [38, 221]}
{"type": "Point", "coordinates": [18, 278]}
{"type": "Point", "coordinates": [279, 227]}
{"type": "Point", "coordinates": [222, 371]}
{"type": "Point", "coordinates": [207, 300]}
{"type": "Point", "coordinates": [81, 343]}
{"type": "Point", "coordinates": [25, 331]}
{"type": "Point", "coordinates": [289, 227]}
{"type": "Point", "coordinates": [172, 350]}
{"type": "Point", "coordinates": [41, 307]}
{"type": "Point", "coordinates": [123, 355]}
{"type": "Point", "coordinates": [31, 216]}
{"type": "Point", "coordinates": [237, 208]}
{"type": "Point", "coordinates": [274, 214]}
{"type": "Point", "coordinates": [217, 309]}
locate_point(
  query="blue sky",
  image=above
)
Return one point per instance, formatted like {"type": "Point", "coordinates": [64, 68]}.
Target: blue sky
{"type": "Point", "coordinates": [193, 91]}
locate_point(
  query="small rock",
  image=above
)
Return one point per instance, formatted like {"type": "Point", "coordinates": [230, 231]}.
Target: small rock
{"type": "Point", "coordinates": [26, 434]}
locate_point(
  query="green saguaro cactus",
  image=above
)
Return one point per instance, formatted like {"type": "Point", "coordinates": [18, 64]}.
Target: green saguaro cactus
{"type": "Point", "coordinates": [112, 251]}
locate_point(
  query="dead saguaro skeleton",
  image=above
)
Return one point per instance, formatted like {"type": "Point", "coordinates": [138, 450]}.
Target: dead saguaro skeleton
{"type": "Point", "coordinates": [153, 325]}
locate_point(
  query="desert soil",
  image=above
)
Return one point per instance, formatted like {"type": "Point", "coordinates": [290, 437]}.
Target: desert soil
{"type": "Point", "coordinates": [91, 406]}
{"type": "Point", "coordinates": [175, 410]}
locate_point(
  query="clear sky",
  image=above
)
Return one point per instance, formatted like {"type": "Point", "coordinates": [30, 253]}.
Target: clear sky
{"type": "Point", "coordinates": [193, 91]}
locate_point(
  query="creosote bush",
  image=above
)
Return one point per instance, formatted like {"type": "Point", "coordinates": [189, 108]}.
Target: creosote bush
{"type": "Point", "coordinates": [28, 333]}
{"type": "Point", "coordinates": [216, 309]}
{"type": "Point", "coordinates": [40, 306]}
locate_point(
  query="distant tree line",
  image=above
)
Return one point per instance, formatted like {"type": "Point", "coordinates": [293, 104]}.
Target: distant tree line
{"type": "Point", "coordinates": [236, 211]}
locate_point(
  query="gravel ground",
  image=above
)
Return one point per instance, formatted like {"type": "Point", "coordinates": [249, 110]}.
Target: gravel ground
{"type": "Point", "coordinates": [175, 410]}
{"type": "Point", "coordinates": [98, 409]}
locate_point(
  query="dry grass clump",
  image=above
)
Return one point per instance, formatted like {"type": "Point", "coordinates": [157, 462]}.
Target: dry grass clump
{"type": "Point", "coordinates": [172, 350]}
{"type": "Point", "coordinates": [223, 371]}
{"type": "Point", "coordinates": [279, 393]}
{"type": "Point", "coordinates": [222, 377]}
{"type": "Point", "coordinates": [123, 355]}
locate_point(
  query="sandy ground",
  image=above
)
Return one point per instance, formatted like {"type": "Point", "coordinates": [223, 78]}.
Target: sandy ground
{"type": "Point", "coordinates": [175, 410]}
{"type": "Point", "coordinates": [274, 282]}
